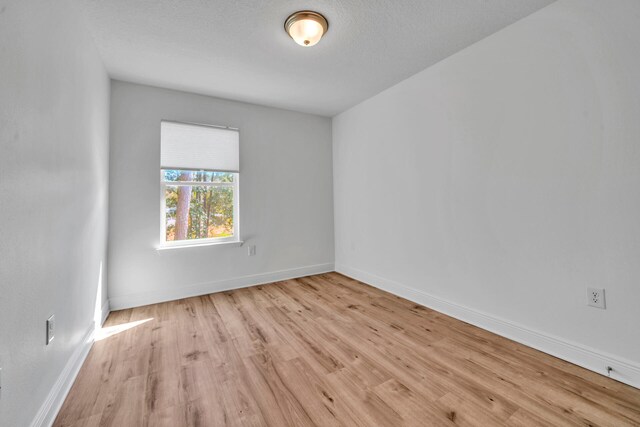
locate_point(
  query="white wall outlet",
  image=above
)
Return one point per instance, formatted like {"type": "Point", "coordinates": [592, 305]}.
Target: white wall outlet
{"type": "Point", "coordinates": [51, 328]}
{"type": "Point", "coordinates": [595, 297]}
{"type": "Point", "coordinates": [252, 250]}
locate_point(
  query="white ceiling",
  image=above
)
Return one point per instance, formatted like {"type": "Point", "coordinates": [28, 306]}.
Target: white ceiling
{"type": "Point", "coordinates": [239, 50]}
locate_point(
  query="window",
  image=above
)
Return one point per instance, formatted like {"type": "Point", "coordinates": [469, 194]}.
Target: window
{"type": "Point", "coordinates": [199, 173]}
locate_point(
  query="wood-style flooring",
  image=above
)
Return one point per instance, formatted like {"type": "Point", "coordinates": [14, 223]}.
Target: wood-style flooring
{"type": "Point", "coordinates": [326, 350]}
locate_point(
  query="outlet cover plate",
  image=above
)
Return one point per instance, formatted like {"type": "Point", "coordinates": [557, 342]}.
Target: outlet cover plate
{"type": "Point", "coordinates": [51, 329]}
{"type": "Point", "coordinates": [595, 298]}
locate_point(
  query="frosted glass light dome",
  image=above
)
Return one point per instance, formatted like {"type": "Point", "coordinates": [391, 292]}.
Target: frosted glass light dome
{"type": "Point", "coordinates": [306, 27]}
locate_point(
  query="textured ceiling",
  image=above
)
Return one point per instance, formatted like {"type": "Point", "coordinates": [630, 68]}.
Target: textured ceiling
{"type": "Point", "coordinates": [239, 50]}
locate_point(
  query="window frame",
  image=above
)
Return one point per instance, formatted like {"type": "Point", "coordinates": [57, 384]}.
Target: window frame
{"type": "Point", "coordinates": [164, 243]}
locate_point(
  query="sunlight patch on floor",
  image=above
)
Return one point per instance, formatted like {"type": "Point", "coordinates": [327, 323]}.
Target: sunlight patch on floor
{"type": "Point", "coordinates": [110, 331]}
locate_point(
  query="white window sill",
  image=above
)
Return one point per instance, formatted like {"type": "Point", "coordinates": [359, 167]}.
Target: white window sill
{"type": "Point", "coordinates": [232, 244]}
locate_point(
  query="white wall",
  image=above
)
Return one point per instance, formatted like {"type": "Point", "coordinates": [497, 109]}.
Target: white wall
{"type": "Point", "coordinates": [54, 106]}
{"type": "Point", "coordinates": [286, 206]}
{"type": "Point", "coordinates": [506, 180]}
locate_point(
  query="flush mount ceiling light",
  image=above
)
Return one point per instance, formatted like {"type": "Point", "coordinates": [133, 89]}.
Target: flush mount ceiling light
{"type": "Point", "coordinates": [306, 27]}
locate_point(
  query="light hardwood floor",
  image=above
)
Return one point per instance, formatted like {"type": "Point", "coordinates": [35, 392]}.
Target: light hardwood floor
{"type": "Point", "coordinates": [327, 350]}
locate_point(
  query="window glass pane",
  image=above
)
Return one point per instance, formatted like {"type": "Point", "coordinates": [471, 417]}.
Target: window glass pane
{"type": "Point", "coordinates": [199, 176]}
{"type": "Point", "coordinates": [198, 212]}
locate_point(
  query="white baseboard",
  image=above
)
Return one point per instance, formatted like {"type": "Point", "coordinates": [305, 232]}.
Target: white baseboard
{"type": "Point", "coordinates": [49, 410]}
{"type": "Point", "coordinates": [162, 295]}
{"type": "Point", "coordinates": [597, 361]}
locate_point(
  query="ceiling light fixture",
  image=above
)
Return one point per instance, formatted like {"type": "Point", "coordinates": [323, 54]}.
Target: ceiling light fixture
{"type": "Point", "coordinates": [306, 27]}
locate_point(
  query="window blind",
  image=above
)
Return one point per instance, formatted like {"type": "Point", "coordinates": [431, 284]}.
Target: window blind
{"type": "Point", "coordinates": [199, 147]}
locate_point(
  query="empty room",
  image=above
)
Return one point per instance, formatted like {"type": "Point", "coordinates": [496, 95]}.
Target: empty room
{"type": "Point", "coordinates": [319, 213]}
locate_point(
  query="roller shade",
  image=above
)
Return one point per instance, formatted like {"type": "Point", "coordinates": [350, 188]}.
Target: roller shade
{"type": "Point", "coordinates": [199, 147]}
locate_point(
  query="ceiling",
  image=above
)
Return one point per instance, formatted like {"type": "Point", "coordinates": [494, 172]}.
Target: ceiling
{"type": "Point", "coordinates": [239, 49]}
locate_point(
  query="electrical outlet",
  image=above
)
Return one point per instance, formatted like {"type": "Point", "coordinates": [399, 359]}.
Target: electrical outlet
{"type": "Point", "coordinates": [595, 297]}
{"type": "Point", "coordinates": [51, 328]}
{"type": "Point", "coordinates": [252, 250]}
